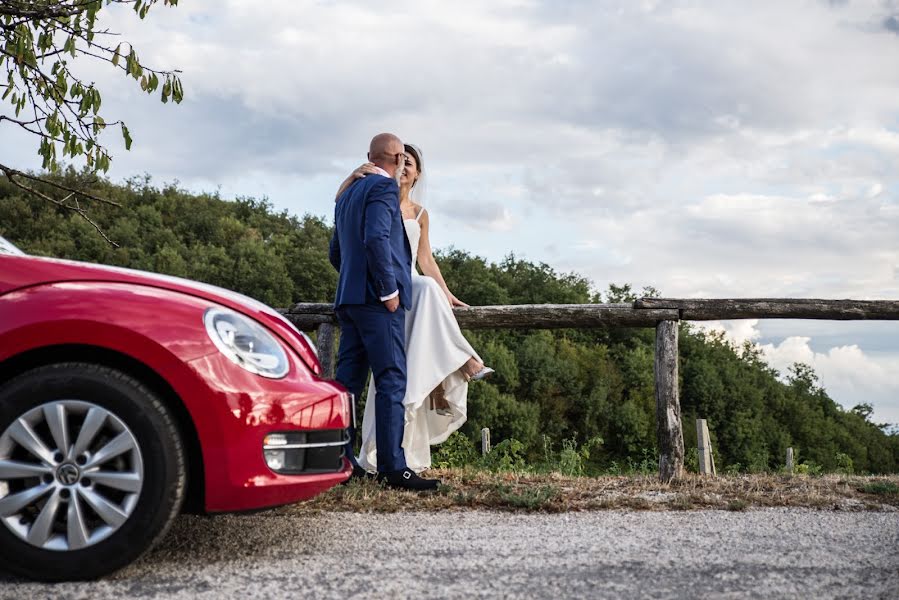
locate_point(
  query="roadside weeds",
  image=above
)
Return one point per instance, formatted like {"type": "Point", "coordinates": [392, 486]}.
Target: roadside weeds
{"type": "Point", "coordinates": [465, 489]}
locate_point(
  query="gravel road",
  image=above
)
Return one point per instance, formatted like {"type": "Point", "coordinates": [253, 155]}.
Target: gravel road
{"type": "Point", "coordinates": [773, 553]}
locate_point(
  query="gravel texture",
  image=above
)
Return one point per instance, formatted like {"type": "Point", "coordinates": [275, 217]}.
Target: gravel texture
{"type": "Point", "coordinates": [769, 553]}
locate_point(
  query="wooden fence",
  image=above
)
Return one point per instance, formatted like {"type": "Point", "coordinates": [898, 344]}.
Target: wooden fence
{"type": "Point", "coordinates": [662, 313]}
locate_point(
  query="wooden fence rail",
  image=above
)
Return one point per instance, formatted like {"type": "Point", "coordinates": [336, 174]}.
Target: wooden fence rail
{"type": "Point", "coordinates": [774, 308]}
{"type": "Point", "coordinates": [661, 313]}
{"type": "Point", "coordinates": [522, 316]}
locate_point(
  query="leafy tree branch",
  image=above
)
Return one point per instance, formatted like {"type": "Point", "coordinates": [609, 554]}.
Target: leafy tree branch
{"type": "Point", "coordinates": [43, 96]}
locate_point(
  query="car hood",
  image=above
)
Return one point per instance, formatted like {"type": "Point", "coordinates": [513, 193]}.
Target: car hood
{"type": "Point", "coordinates": [26, 271]}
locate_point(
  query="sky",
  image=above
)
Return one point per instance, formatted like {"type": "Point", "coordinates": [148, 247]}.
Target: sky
{"type": "Point", "coordinates": [708, 149]}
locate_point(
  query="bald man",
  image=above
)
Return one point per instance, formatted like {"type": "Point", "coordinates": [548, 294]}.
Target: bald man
{"type": "Point", "coordinates": [370, 251]}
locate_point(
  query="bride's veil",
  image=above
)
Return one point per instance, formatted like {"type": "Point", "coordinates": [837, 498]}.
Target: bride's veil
{"type": "Point", "coordinates": [420, 186]}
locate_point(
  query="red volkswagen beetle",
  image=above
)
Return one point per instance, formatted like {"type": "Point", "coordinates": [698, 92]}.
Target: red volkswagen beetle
{"type": "Point", "coordinates": [126, 397]}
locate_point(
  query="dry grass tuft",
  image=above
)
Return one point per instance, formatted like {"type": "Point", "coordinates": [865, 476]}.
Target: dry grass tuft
{"type": "Point", "coordinates": [469, 489]}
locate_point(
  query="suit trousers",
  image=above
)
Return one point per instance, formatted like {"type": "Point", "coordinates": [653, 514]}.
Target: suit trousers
{"type": "Point", "coordinates": [371, 337]}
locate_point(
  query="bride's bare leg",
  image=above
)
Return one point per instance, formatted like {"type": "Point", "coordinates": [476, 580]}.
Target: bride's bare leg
{"type": "Point", "coordinates": [439, 402]}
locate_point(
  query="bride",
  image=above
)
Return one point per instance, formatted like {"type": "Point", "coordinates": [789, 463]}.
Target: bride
{"type": "Point", "coordinates": [439, 360]}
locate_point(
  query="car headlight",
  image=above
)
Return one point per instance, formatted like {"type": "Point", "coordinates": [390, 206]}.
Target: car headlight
{"type": "Point", "coordinates": [246, 343]}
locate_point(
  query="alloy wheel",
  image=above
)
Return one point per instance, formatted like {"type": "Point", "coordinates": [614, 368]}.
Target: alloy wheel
{"type": "Point", "coordinates": [71, 473]}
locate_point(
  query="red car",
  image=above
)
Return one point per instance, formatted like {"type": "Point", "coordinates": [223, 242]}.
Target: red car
{"type": "Point", "coordinates": [127, 397]}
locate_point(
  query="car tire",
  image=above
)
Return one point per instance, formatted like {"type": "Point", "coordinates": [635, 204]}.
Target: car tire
{"type": "Point", "coordinates": [107, 483]}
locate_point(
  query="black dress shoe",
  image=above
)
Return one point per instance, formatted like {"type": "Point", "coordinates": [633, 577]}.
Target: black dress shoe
{"type": "Point", "coordinates": [359, 474]}
{"type": "Point", "coordinates": [407, 479]}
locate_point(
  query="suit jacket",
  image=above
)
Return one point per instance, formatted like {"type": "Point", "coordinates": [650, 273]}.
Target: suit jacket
{"type": "Point", "coordinates": [369, 247]}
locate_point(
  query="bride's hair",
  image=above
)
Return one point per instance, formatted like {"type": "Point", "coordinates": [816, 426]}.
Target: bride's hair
{"type": "Point", "coordinates": [418, 188]}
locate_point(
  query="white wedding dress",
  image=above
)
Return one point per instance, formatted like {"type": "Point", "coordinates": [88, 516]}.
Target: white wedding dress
{"type": "Point", "coordinates": [435, 351]}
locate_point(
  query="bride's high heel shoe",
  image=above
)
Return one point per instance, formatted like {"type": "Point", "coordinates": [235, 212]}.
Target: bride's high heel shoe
{"type": "Point", "coordinates": [481, 373]}
{"type": "Point", "coordinates": [484, 372]}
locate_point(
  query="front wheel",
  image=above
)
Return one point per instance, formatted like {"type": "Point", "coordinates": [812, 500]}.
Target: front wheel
{"type": "Point", "coordinates": [92, 471]}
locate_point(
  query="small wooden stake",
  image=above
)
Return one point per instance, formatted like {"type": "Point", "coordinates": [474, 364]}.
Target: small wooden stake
{"type": "Point", "coordinates": [704, 444]}
{"type": "Point", "coordinates": [485, 441]}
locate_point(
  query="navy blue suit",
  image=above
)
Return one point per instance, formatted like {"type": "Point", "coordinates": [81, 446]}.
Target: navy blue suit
{"type": "Point", "coordinates": [371, 253]}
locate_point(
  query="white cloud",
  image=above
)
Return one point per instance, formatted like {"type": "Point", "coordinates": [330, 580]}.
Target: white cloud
{"type": "Point", "coordinates": [480, 216]}
{"type": "Point", "coordinates": [738, 331]}
{"type": "Point", "coordinates": [706, 149]}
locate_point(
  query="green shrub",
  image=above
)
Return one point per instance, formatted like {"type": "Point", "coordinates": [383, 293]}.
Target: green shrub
{"type": "Point", "coordinates": [457, 451]}
{"type": "Point", "coordinates": [571, 459]}
{"type": "Point", "coordinates": [844, 463]}
{"type": "Point", "coordinates": [647, 465]}
{"type": "Point", "coordinates": [733, 469]}
{"type": "Point", "coordinates": [508, 455]}
{"type": "Point", "coordinates": [571, 462]}
{"type": "Point", "coordinates": [809, 468]}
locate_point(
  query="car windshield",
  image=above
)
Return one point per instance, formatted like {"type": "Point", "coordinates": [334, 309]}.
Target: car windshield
{"type": "Point", "coordinates": [7, 248]}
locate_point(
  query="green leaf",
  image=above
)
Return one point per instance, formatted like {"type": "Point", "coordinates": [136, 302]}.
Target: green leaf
{"type": "Point", "coordinates": [127, 136]}
{"type": "Point", "coordinates": [117, 55]}
{"type": "Point", "coordinates": [61, 82]}
{"type": "Point", "coordinates": [177, 91]}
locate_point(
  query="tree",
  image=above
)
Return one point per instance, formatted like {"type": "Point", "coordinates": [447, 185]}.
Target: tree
{"type": "Point", "coordinates": [569, 386]}
{"type": "Point", "coordinates": [39, 39]}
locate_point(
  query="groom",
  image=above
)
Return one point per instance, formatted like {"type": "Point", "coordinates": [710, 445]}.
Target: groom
{"type": "Point", "coordinates": [370, 251]}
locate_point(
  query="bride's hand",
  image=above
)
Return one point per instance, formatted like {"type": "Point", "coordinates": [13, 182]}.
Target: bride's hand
{"type": "Point", "coordinates": [455, 301]}
{"type": "Point", "coordinates": [363, 170]}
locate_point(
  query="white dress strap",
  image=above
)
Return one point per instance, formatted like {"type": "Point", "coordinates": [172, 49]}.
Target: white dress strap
{"type": "Point", "coordinates": [420, 213]}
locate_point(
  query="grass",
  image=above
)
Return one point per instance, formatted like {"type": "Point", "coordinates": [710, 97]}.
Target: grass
{"type": "Point", "coordinates": [466, 489]}
{"type": "Point", "coordinates": [880, 488]}
{"type": "Point", "coordinates": [529, 498]}
{"type": "Point", "coordinates": [737, 505]}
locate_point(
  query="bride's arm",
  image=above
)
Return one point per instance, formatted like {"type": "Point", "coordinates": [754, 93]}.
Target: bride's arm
{"type": "Point", "coordinates": [427, 263]}
{"type": "Point", "coordinates": [359, 173]}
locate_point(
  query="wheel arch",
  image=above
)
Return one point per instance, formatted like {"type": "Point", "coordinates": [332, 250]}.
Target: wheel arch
{"type": "Point", "coordinates": [37, 357]}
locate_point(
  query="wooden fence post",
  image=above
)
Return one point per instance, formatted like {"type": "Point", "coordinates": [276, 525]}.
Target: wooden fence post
{"type": "Point", "coordinates": [790, 460]}
{"type": "Point", "coordinates": [485, 441]}
{"type": "Point", "coordinates": [668, 425]}
{"type": "Point", "coordinates": [704, 443]}
{"type": "Point", "coordinates": [326, 349]}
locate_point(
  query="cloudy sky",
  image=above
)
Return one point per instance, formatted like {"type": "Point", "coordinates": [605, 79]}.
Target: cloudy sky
{"type": "Point", "coordinates": [709, 149]}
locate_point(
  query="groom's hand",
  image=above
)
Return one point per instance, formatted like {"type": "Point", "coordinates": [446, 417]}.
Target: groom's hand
{"type": "Point", "coordinates": [392, 304]}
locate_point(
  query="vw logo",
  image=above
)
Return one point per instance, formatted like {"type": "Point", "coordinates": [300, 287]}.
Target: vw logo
{"type": "Point", "coordinates": [68, 474]}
